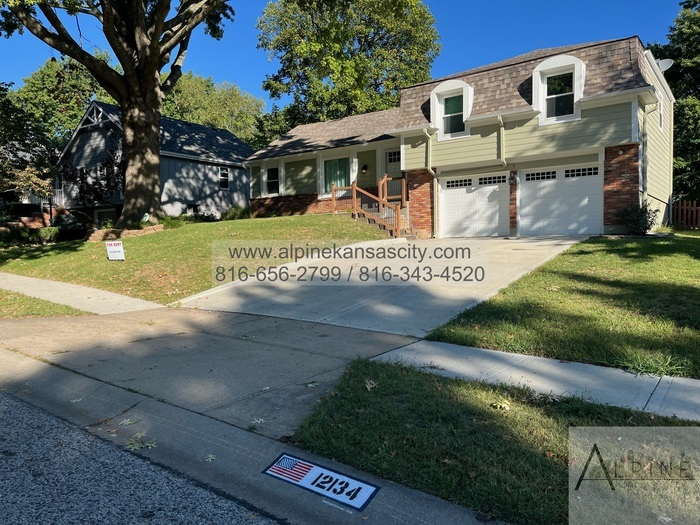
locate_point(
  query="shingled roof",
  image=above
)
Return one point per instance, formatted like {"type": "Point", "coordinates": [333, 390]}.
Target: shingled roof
{"type": "Point", "coordinates": [611, 66]}
{"type": "Point", "coordinates": [501, 87]}
{"type": "Point", "coordinates": [349, 131]}
{"type": "Point", "coordinates": [194, 140]}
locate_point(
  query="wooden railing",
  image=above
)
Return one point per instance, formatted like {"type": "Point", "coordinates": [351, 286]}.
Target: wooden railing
{"type": "Point", "coordinates": [364, 204]}
{"type": "Point", "coordinates": [388, 187]}
{"type": "Point", "coordinates": [686, 214]}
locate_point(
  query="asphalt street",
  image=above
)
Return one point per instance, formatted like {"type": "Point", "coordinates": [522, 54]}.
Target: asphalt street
{"type": "Point", "coordinates": [53, 472]}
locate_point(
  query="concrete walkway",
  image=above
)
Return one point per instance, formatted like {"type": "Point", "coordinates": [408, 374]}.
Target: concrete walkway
{"type": "Point", "coordinates": [80, 297]}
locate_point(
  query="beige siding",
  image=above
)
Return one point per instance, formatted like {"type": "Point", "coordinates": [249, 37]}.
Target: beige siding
{"type": "Point", "coordinates": [601, 126]}
{"type": "Point", "coordinates": [300, 177]}
{"type": "Point", "coordinates": [414, 152]}
{"type": "Point", "coordinates": [255, 182]}
{"type": "Point", "coordinates": [658, 163]}
{"type": "Point", "coordinates": [369, 179]}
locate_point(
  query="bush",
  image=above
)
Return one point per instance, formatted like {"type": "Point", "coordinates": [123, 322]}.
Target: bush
{"type": "Point", "coordinates": [199, 217]}
{"type": "Point", "coordinates": [638, 219]}
{"type": "Point", "coordinates": [17, 235]}
{"type": "Point", "coordinates": [48, 234]}
{"type": "Point", "coordinates": [170, 223]}
{"type": "Point", "coordinates": [234, 214]}
{"type": "Point", "coordinates": [69, 227]}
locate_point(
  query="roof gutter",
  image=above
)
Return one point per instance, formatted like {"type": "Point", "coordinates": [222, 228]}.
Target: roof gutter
{"type": "Point", "coordinates": [501, 153]}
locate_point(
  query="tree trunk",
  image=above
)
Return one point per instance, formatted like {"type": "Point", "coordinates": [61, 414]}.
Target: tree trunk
{"type": "Point", "coordinates": [141, 126]}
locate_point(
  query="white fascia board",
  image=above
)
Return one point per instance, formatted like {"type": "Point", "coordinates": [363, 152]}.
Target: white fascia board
{"type": "Point", "coordinates": [81, 126]}
{"type": "Point", "coordinates": [646, 94]}
{"type": "Point", "coordinates": [507, 116]}
{"type": "Point", "coordinates": [659, 75]}
{"type": "Point", "coordinates": [402, 132]}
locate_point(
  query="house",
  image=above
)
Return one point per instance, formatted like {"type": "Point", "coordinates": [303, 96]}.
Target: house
{"type": "Point", "coordinates": [202, 169]}
{"type": "Point", "coordinates": [556, 141]}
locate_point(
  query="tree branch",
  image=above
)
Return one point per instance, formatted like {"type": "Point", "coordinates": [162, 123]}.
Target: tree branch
{"type": "Point", "coordinates": [176, 68]}
{"type": "Point", "coordinates": [64, 43]}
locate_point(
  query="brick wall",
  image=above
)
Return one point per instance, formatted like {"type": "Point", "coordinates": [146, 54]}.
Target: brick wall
{"type": "Point", "coordinates": [420, 194]}
{"type": "Point", "coordinates": [621, 183]}
{"type": "Point", "coordinates": [290, 205]}
{"type": "Point", "coordinates": [513, 206]}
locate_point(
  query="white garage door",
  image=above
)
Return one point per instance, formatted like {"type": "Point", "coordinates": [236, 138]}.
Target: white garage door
{"type": "Point", "coordinates": [561, 202]}
{"type": "Point", "coordinates": [474, 206]}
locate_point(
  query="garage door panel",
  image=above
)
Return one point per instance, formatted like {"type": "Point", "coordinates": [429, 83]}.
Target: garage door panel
{"type": "Point", "coordinates": [474, 211]}
{"type": "Point", "coordinates": [561, 205]}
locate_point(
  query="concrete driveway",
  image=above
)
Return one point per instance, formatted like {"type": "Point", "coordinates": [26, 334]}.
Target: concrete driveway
{"type": "Point", "coordinates": [393, 286]}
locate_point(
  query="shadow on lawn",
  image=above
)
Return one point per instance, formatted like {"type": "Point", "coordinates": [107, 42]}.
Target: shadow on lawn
{"type": "Point", "coordinates": [38, 251]}
{"type": "Point", "coordinates": [644, 248]}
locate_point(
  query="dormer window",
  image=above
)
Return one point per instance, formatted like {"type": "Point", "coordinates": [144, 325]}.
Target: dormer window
{"type": "Point", "coordinates": [453, 121]}
{"type": "Point", "coordinates": [450, 107]}
{"type": "Point", "coordinates": [557, 86]}
{"type": "Point", "coordinates": [560, 95]}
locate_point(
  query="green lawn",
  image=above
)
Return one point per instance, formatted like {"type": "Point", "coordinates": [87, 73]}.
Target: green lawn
{"type": "Point", "coordinates": [499, 450]}
{"type": "Point", "coordinates": [631, 303]}
{"type": "Point", "coordinates": [17, 306]}
{"type": "Point", "coordinates": [167, 266]}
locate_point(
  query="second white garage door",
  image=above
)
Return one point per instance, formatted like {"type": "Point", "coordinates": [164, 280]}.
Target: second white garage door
{"type": "Point", "coordinates": [561, 201]}
{"type": "Point", "coordinates": [474, 206]}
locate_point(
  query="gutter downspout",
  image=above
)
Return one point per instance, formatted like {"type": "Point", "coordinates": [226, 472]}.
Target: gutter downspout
{"type": "Point", "coordinates": [429, 147]}
{"type": "Point", "coordinates": [501, 153]}
{"type": "Point", "coordinates": [429, 153]}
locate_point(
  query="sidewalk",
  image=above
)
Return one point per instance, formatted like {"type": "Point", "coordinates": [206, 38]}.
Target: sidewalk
{"type": "Point", "coordinates": [80, 297]}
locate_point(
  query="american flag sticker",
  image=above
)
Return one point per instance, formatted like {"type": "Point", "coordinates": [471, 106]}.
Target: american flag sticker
{"type": "Point", "coordinates": [290, 468]}
{"type": "Point", "coordinates": [326, 482]}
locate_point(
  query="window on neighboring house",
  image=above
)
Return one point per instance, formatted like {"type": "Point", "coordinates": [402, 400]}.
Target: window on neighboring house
{"type": "Point", "coordinates": [336, 171]}
{"type": "Point", "coordinates": [272, 184]}
{"type": "Point", "coordinates": [559, 95]}
{"type": "Point", "coordinates": [453, 119]}
{"type": "Point", "coordinates": [223, 178]}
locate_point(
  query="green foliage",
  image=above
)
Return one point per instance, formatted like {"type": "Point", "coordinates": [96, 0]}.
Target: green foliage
{"type": "Point", "coordinates": [70, 228]}
{"type": "Point", "coordinates": [57, 95]}
{"type": "Point", "coordinates": [684, 49]}
{"type": "Point", "coordinates": [346, 57]}
{"type": "Point", "coordinates": [170, 223]}
{"type": "Point", "coordinates": [638, 219]}
{"type": "Point", "coordinates": [25, 154]}
{"type": "Point", "coordinates": [17, 236]}
{"type": "Point", "coordinates": [199, 100]}
{"type": "Point", "coordinates": [234, 214]}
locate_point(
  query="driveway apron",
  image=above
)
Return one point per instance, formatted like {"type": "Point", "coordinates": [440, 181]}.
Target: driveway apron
{"type": "Point", "coordinates": [424, 285]}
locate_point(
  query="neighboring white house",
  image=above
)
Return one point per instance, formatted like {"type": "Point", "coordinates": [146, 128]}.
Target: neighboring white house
{"type": "Point", "coordinates": [202, 169]}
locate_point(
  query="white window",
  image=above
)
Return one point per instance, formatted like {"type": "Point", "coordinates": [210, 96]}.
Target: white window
{"type": "Point", "coordinates": [223, 178]}
{"type": "Point", "coordinates": [450, 107]}
{"type": "Point", "coordinates": [557, 87]}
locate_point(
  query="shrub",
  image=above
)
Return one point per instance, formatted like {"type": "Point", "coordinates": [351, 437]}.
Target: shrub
{"type": "Point", "coordinates": [638, 219]}
{"type": "Point", "coordinates": [200, 217]}
{"type": "Point", "coordinates": [234, 214]}
{"type": "Point", "coordinates": [48, 234]}
{"type": "Point", "coordinates": [170, 223]}
{"type": "Point", "coordinates": [69, 227]}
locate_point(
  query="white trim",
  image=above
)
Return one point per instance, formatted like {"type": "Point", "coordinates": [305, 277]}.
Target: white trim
{"type": "Point", "coordinates": [635, 121]}
{"type": "Point", "coordinates": [557, 65]}
{"type": "Point", "coordinates": [649, 56]}
{"type": "Point", "coordinates": [263, 180]}
{"type": "Point", "coordinates": [447, 89]}
{"type": "Point", "coordinates": [203, 160]}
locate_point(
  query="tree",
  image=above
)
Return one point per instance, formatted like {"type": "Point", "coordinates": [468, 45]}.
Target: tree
{"type": "Point", "coordinates": [57, 95]}
{"type": "Point", "coordinates": [144, 36]}
{"type": "Point", "coordinates": [199, 100]}
{"type": "Point", "coordinates": [25, 155]}
{"type": "Point", "coordinates": [684, 78]}
{"type": "Point", "coordinates": [345, 57]}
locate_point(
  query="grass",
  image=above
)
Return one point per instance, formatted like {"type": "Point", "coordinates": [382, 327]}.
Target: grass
{"type": "Point", "coordinates": [499, 450]}
{"type": "Point", "coordinates": [631, 303]}
{"type": "Point", "coordinates": [169, 265]}
{"type": "Point", "coordinates": [17, 306]}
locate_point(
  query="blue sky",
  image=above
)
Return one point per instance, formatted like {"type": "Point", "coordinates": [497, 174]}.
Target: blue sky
{"type": "Point", "coordinates": [473, 33]}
